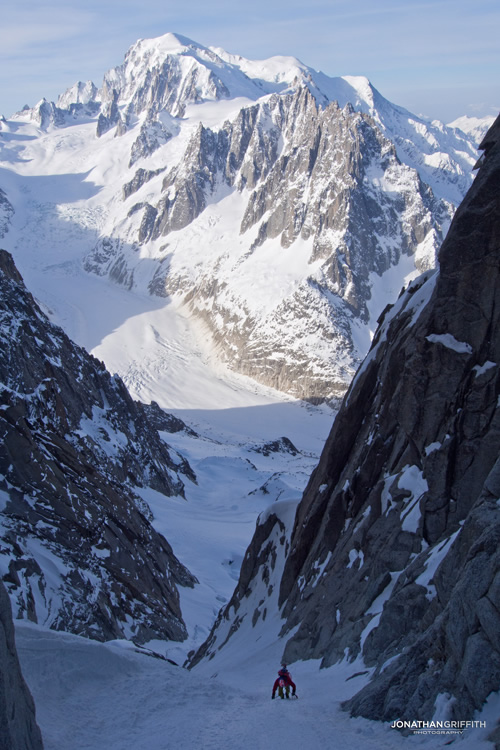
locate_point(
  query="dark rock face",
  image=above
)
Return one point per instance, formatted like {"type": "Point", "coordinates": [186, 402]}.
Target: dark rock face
{"type": "Point", "coordinates": [394, 553]}
{"type": "Point", "coordinates": [281, 445]}
{"type": "Point", "coordinates": [403, 507]}
{"type": "Point", "coordinates": [451, 647]}
{"type": "Point", "coordinates": [6, 211]}
{"type": "Point", "coordinates": [78, 551]}
{"type": "Point", "coordinates": [18, 727]}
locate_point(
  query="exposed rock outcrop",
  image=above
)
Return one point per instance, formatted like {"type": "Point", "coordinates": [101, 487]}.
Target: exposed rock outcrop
{"type": "Point", "coordinates": [255, 598]}
{"type": "Point", "coordinates": [152, 136]}
{"type": "Point", "coordinates": [18, 727]}
{"type": "Point", "coordinates": [78, 551]}
{"type": "Point", "coordinates": [109, 115]}
{"type": "Point", "coordinates": [6, 212]}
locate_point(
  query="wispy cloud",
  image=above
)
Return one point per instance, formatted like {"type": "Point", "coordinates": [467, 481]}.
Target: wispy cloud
{"type": "Point", "coordinates": [24, 32]}
{"type": "Point", "coordinates": [414, 45]}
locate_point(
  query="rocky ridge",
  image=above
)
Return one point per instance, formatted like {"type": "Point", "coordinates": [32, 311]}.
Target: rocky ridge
{"type": "Point", "coordinates": [394, 550]}
{"type": "Point", "coordinates": [77, 548]}
{"type": "Point", "coordinates": [6, 211]}
{"type": "Point", "coordinates": [325, 178]}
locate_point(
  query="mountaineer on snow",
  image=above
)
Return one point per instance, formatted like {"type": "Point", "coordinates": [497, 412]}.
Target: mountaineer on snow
{"type": "Point", "coordinates": [283, 683]}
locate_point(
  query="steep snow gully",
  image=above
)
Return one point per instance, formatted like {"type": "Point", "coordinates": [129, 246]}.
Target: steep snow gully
{"type": "Point", "coordinates": [108, 697]}
{"type": "Point", "coordinates": [200, 219]}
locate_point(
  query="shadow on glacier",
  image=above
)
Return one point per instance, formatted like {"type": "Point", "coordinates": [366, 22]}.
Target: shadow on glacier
{"type": "Point", "coordinates": [50, 238]}
{"type": "Point", "coordinates": [53, 189]}
{"type": "Point", "coordinates": [14, 153]}
{"type": "Point", "coordinates": [90, 307]}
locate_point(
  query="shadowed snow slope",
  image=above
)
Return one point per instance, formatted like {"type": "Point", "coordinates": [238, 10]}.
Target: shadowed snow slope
{"type": "Point", "coordinates": [92, 696]}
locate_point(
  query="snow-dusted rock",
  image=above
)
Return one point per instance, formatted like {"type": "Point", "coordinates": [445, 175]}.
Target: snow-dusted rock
{"type": "Point", "coordinates": [6, 212]}
{"type": "Point", "coordinates": [79, 93]}
{"type": "Point", "coordinates": [78, 551]}
{"type": "Point", "coordinates": [323, 187]}
{"type": "Point", "coordinates": [165, 74]}
{"type": "Point", "coordinates": [255, 598]}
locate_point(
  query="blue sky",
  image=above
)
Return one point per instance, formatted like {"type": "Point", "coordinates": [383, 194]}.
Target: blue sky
{"type": "Point", "coordinates": [440, 58]}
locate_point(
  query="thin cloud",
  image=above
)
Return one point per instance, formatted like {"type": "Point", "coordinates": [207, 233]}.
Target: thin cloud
{"type": "Point", "coordinates": [399, 46]}
{"type": "Point", "coordinates": [22, 33]}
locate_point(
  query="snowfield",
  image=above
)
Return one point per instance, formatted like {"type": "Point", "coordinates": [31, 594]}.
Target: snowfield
{"type": "Point", "coordinates": [93, 696]}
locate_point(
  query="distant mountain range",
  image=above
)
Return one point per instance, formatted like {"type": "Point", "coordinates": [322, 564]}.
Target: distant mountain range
{"type": "Point", "coordinates": [279, 207]}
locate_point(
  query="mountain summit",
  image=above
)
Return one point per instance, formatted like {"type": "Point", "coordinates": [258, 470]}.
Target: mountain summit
{"type": "Point", "coordinates": [277, 208]}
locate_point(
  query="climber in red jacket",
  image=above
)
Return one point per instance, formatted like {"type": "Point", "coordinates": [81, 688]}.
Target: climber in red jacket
{"type": "Point", "coordinates": [283, 683]}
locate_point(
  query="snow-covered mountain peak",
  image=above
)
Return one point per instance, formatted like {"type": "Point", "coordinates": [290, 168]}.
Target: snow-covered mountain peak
{"type": "Point", "coordinates": [210, 73]}
{"type": "Point", "coordinates": [153, 52]}
{"type": "Point", "coordinates": [363, 88]}
{"type": "Point", "coordinates": [278, 202]}
{"type": "Point", "coordinates": [278, 69]}
{"type": "Point", "coordinates": [476, 127]}
{"type": "Point", "coordinates": [170, 72]}
{"type": "Point", "coordinates": [80, 93]}
{"type": "Point", "coordinates": [166, 44]}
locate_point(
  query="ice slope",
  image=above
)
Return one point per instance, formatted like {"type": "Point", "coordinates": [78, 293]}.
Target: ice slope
{"type": "Point", "coordinates": [91, 696]}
